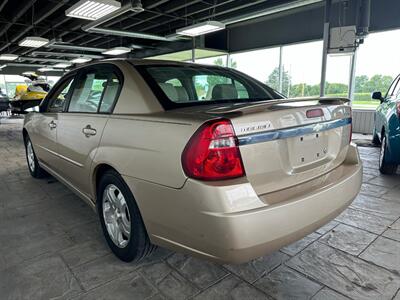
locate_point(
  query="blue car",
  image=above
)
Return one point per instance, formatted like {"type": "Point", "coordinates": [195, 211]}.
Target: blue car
{"type": "Point", "coordinates": [387, 128]}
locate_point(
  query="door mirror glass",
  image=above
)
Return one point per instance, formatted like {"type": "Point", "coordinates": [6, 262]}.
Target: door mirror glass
{"type": "Point", "coordinates": [377, 96]}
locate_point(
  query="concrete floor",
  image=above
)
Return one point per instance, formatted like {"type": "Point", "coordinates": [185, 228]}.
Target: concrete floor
{"type": "Point", "coordinates": [51, 248]}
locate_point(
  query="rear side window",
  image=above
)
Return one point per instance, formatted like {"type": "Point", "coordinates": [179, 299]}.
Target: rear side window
{"type": "Point", "coordinates": [179, 86]}
{"type": "Point", "coordinates": [95, 91]}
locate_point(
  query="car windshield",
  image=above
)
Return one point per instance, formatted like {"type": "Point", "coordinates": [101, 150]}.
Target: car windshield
{"type": "Point", "coordinates": [188, 85]}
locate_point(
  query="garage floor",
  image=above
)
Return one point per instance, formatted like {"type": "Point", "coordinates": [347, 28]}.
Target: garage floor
{"type": "Point", "coordinates": [51, 248]}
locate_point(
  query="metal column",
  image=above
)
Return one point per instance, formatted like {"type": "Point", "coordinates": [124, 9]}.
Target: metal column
{"type": "Point", "coordinates": [328, 4]}
{"type": "Point", "coordinates": [352, 81]}
{"type": "Point", "coordinates": [193, 49]}
{"type": "Point", "coordinates": [280, 70]}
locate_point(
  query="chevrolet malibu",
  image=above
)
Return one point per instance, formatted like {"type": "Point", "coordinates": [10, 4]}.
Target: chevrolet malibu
{"type": "Point", "coordinates": [199, 159]}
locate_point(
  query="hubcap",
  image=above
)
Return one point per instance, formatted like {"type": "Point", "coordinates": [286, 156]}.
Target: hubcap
{"type": "Point", "coordinates": [116, 216]}
{"type": "Point", "coordinates": [31, 156]}
{"type": "Point", "coordinates": [382, 153]}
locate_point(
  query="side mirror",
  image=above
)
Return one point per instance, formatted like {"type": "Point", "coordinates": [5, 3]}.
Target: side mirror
{"type": "Point", "coordinates": [377, 96]}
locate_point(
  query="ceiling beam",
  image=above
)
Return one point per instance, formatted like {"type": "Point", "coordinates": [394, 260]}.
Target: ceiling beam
{"type": "Point", "coordinates": [20, 12]}
{"type": "Point", "coordinates": [44, 14]}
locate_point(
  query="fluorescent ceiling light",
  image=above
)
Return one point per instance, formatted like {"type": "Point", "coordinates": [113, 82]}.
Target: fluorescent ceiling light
{"type": "Point", "coordinates": [9, 57]}
{"type": "Point", "coordinates": [33, 42]}
{"type": "Point", "coordinates": [62, 65]}
{"type": "Point", "coordinates": [92, 9]}
{"type": "Point", "coordinates": [117, 51]}
{"type": "Point", "coordinates": [201, 28]}
{"type": "Point", "coordinates": [46, 69]}
{"type": "Point", "coordinates": [81, 60]}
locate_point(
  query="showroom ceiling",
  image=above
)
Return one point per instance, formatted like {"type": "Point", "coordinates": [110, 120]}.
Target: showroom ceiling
{"type": "Point", "coordinates": [158, 21]}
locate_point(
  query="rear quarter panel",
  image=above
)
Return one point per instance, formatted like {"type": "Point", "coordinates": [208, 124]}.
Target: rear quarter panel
{"type": "Point", "coordinates": [145, 148]}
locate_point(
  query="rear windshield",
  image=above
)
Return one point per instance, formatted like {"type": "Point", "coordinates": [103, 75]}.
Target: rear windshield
{"type": "Point", "coordinates": [179, 86]}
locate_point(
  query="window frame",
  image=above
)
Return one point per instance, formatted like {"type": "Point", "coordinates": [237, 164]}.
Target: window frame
{"type": "Point", "coordinates": [394, 84]}
{"type": "Point", "coordinates": [49, 99]}
{"type": "Point", "coordinates": [93, 68]}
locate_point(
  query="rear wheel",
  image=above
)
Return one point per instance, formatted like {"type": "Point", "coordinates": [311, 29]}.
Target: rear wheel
{"type": "Point", "coordinates": [33, 165]}
{"type": "Point", "coordinates": [375, 139]}
{"type": "Point", "coordinates": [121, 220]}
{"type": "Point", "coordinates": [384, 167]}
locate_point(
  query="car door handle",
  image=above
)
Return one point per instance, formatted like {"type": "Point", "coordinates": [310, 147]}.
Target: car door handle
{"type": "Point", "coordinates": [52, 125]}
{"type": "Point", "coordinates": [88, 131]}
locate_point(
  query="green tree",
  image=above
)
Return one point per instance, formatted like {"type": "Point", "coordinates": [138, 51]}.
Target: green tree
{"type": "Point", "coordinates": [378, 83]}
{"type": "Point", "coordinates": [360, 83]}
{"type": "Point", "coordinates": [273, 80]}
{"type": "Point", "coordinates": [221, 62]}
{"type": "Point", "coordinates": [336, 88]}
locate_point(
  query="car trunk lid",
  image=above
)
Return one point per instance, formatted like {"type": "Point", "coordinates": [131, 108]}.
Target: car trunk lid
{"type": "Point", "coordinates": [287, 142]}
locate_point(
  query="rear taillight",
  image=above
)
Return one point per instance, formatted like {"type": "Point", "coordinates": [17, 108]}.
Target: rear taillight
{"type": "Point", "coordinates": [351, 131]}
{"type": "Point", "coordinates": [351, 125]}
{"type": "Point", "coordinates": [212, 153]}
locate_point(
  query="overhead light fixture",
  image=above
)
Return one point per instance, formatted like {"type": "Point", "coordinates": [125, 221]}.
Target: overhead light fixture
{"type": "Point", "coordinates": [62, 65]}
{"type": "Point", "coordinates": [201, 28]}
{"type": "Point", "coordinates": [117, 51]}
{"type": "Point", "coordinates": [81, 60]}
{"type": "Point", "coordinates": [2, 67]}
{"type": "Point", "coordinates": [137, 6]}
{"type": "Point", "coordinates": [9, 57]}
{"type": "Point", "coordinates": [92, 9]}
{"type": "Point", "coordinates": [46, 69]}
{"type": "Point", "coordinates": [33, 42]}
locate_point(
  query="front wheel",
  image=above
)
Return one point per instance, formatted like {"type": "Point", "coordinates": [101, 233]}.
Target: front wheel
{"type": "Point", "coordinates": [375, 139]}
{"type": "Point", "coordinates": [384, 167]}
{"type": "Point", "coordinates": [121, 220]}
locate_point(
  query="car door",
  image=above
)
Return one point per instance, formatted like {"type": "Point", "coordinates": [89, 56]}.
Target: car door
{"type": "Point", "coordinates": [44, 129]}
{"type": "Point", "coordinates": [81, 125]}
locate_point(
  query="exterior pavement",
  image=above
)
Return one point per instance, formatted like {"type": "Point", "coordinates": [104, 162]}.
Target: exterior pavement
{"type": "Point", "coordinates": [51, 247]}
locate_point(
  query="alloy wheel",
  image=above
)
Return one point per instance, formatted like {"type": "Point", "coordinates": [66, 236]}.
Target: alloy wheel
{"type": "Point", "coordinates": [382, 153]}
{"type": "Point", "coordinates": [116, 215]}
{"type": "Point", "coordinates": [31, 156]}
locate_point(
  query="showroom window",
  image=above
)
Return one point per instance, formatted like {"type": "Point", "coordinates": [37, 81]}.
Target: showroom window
{"type": "Point", "coordinates": [301, 67]}
{"type": "Point", "coordinates": [376, 67]}
{"type": "Point", "coordinates": [212, 61]}
{"type": "Point", "coordinates": [262, 65]}
{"type": "Point", "coordinates": [11, 82]}
{"type": "Point", "coordinates": [337, 75]}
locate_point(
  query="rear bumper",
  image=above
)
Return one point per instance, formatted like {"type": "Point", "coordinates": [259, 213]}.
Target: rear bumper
{"type": "Point", "coordinates": [232, 224]}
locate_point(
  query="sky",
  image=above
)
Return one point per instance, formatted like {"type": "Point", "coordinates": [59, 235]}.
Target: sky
{"type": "Point", "coordinates": [378, 55]}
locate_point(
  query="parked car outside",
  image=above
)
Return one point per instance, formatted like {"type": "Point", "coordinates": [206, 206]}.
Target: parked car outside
{"type": "Point", "coordinates": [387, 128]}
{"type": "Point", "coordinates": [199, 159]}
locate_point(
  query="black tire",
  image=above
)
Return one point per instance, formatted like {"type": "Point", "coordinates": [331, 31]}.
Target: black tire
{"type": "Point", "coordinates": [384, 167]}
{"type": "Point", "coordinates": [34, 168]}
{"type": "Point", "coordinates": [138, 245]}
{"type": "Point", "coordinates": [375, 139]}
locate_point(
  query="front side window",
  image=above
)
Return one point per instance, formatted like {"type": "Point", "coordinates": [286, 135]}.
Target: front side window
{"type": "Point", "coordinates": [393, 88]}
{"type": "Point", "coordinates": [58, 101]}
{"type": "Point", "coordinates": [87, 93]}
{"type": "Point", "coordinates": [194, 85]}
